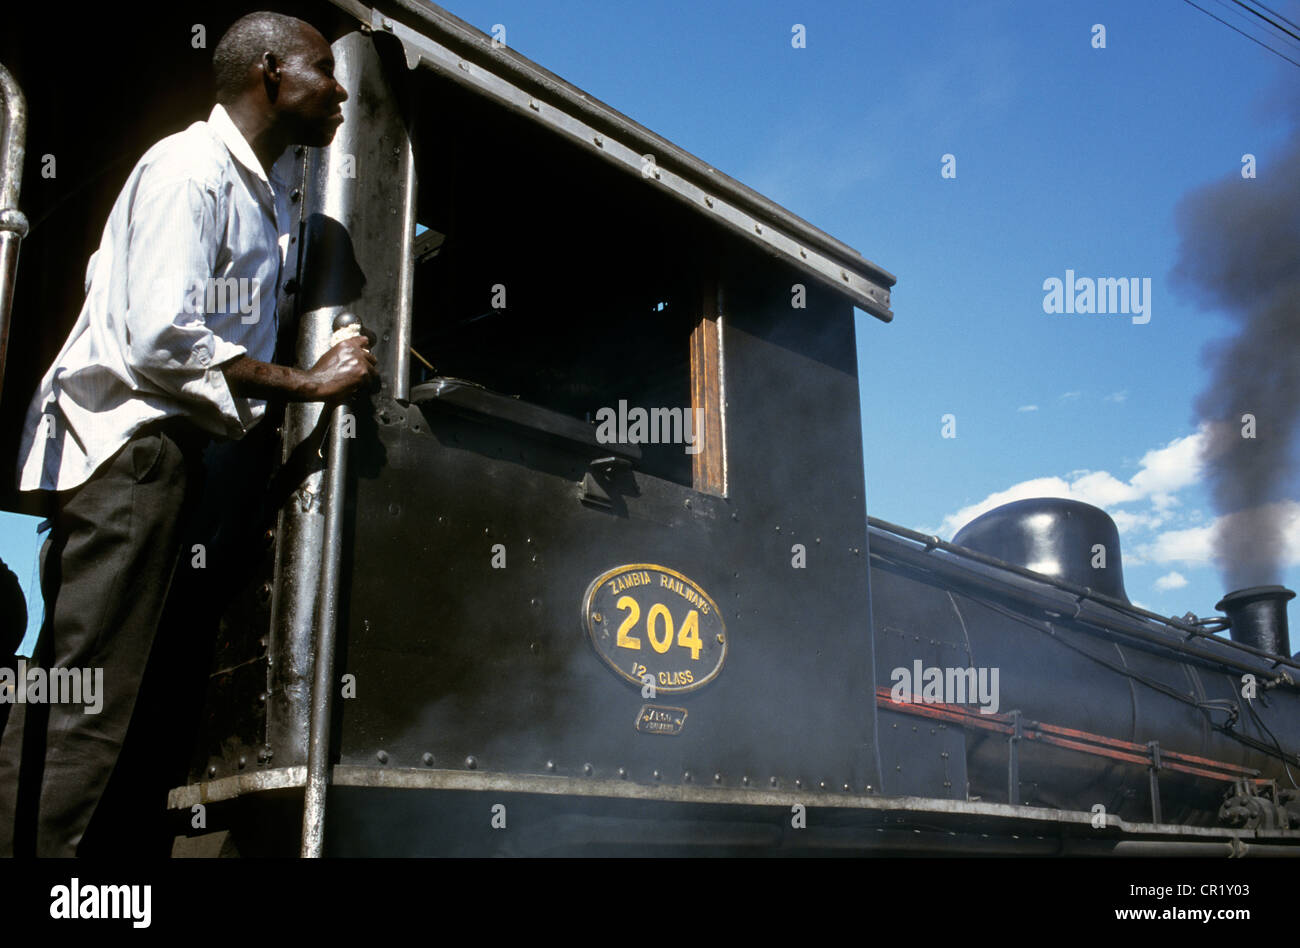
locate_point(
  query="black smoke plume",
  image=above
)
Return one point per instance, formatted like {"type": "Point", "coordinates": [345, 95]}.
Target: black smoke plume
{"type": "Point", "coordinates": [1240, 252]}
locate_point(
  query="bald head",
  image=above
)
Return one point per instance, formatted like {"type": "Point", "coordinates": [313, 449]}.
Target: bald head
{"type": "Point", "coordinates": [241, 49]}
{"type": "Point", "coordinates": [275, 77]}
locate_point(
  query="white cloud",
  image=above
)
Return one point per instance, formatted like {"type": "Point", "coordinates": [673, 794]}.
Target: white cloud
{"type": "Point", "coordinates": [1038, 487]}
{"type": "Point", "coordinates": [1194, 546]}
{"type": "Point", "coordinates": [1027, 408]}
{"type": "Point", "coordinates": [1171, 468]}
{"type": "Point", "coordinates": [1174, 580]}
{"type": "Point", "coordinates": [1161, 473]}
{"type": "Point", "coordinates": [1116, 397]}
{"type": "Point", "coordinates": [1191, 547]}
{"type": "Point", "coordinates": [1070, 396]}
{"type": "Point", "coordinates": [1128, 522]}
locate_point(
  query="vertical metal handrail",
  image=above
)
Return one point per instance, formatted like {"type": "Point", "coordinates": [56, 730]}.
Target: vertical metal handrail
{"type": "Point", "coordinates": [322, 692]}
{"type": "Point", "coordinates": [13, 225]}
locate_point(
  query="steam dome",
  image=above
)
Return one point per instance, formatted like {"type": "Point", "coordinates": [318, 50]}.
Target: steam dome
{"type": "Point", "coordinates": [1059, 538]}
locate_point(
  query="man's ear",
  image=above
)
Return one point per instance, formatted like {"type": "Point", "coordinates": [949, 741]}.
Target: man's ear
{"type": "Point", "coordinates": [270, 65]}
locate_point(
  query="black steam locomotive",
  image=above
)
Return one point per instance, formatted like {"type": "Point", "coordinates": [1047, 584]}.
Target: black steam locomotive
{"type": "Point", "coordinates": [592, 572]}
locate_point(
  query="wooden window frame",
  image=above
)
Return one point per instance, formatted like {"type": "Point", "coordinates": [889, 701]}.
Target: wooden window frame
{"type": "Point", "coordinates": [709, 466]}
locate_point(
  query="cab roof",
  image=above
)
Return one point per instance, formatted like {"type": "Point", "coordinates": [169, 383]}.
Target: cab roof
{"type": "Point", "coordinates": [434, 39]}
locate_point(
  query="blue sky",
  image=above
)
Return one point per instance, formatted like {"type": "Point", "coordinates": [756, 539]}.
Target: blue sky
{"type": "Point", "coordinates": [1067, 157]}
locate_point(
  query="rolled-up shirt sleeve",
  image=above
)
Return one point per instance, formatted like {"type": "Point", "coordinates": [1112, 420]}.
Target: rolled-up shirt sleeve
{"type": "Point", "coordinates": [173, 250]}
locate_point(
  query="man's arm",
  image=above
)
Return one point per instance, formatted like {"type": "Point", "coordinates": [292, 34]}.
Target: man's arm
{"type": "Point", "coordinates": [340, 371]}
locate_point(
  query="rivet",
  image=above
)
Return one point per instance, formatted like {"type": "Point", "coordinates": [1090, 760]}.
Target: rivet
{"type": "Point", "coordinates": [944, 755]}
{"type": "Point", "coordinates": [822, 785]}
{"type": "Point", "coordinates": [656, 775]}
{"type": "Point", "coordinates": [212, 771]}
{"type": "Point", "coordinates": [708, 201]}
{"type": "Point", "coordinates": [846, 788]}
{"type": "Point", "coordinates": [745, 780]}
{"type": "Point", "coordinates": [262, 697]}
{"type": "Point", "coordinates": [387, 24]}
{"type": "Point", "coordinates": [534, 105]}
{"type": "Point", "coordinates": [470, 762]}
{"type": "Point", "coordinates": [427, 759]}
{"type": "Point", "coordinates": [295, 194]}
{"type": "Point", "coordinates": [622, 773]}
{"type": "Point", "coordinates": [772, 781]}
{"type": "Point", "coordinates": [758, 229]}
{"type": "Point", "coordinates": [298, 150]}
{"type": "Point", "coordinates": [587, 769]}
{"type": "Point", "coordinates": [869, 788]}
{"type": "Point", "coordinates": [687, 502]}
{"type": "Point", "coordinates": [599, 140]}
{"type": "Point", "coordinates": [550, 765]}
{"type": "Point", "coordinates": [381, 756]}
{"type": "Point", "coordinates": [798, 784]}
{"type": "Point", "coordinates": [686, 777]}
{"type": "Point", "coordinates": [898, 767]}
{"type": "Point", "coordinates": [717, 778]}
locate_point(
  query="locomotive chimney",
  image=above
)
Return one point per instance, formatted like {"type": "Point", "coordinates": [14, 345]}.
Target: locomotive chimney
{"type": "Point", "coordinates": [1258, 617]}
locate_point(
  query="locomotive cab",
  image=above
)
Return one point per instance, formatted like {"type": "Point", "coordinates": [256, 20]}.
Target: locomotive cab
{"type": "Point", "coordinates": [595, 514]}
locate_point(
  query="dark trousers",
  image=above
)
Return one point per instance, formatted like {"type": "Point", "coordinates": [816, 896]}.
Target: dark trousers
{"type": "Point", "coordinates": [105, 573]}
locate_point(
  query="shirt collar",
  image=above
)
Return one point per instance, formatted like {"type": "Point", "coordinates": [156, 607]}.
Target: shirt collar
{"type": "Point", "coordinates": [234, 140]}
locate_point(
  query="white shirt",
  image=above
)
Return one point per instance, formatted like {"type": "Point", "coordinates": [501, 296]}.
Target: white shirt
{"type": "Point", "coordinates": [184, 281]}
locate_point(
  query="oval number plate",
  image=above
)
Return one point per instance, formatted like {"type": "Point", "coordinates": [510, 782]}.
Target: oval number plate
{"type": "Point", "coordinates": [652, 624]}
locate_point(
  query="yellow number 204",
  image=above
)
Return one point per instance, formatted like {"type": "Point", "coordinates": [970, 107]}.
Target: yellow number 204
{"type": "Point", "coordinates": [688, 636]}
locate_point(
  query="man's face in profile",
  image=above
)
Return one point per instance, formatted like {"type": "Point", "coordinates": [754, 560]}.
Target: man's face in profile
{"type": "Point", "coordinates": [309, 97]}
